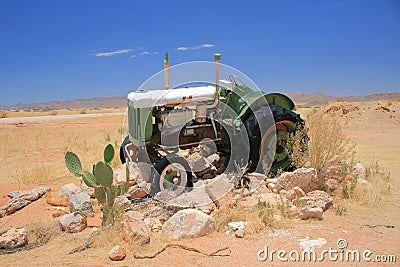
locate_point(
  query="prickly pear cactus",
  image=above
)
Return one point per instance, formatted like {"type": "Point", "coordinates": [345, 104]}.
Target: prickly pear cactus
{"type": "Point", "coordinates": [101, 179]}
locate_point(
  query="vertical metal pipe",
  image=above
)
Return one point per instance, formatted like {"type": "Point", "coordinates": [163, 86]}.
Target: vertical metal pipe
{"type": "Point", "coordinates": [166, 71]}
{"type": "Point", "coordinates": [217, 58]}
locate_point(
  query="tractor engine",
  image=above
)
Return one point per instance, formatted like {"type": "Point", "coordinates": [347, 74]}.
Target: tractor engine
{"type": "Point", "coordinates": [173, 119]}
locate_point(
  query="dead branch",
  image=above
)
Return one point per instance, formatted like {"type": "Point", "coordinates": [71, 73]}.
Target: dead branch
{"type": "Point", "coordinates": [215, 253]}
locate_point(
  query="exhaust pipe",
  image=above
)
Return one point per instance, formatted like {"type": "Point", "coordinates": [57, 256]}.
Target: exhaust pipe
{"type": "Point", "coordinates": [166, 71]}
{"type": "Point", "coordinates": [217, 58]}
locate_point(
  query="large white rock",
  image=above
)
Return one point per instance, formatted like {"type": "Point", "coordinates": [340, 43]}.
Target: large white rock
{"type": "Point", "coordinates": [305, 178]}
{"type": "Point", "coordinates": [14, 238]}
{"type": "Point", "coordinates": [81, 202]}
{"type": "Point", "coordinates": [188, 223]}
{"type": "Point", "coordinates": [73, 222]}
{"type": "Point", "coordinates": [67, 190]}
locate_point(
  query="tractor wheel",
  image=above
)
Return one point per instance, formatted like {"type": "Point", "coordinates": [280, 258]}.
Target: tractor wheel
{"type": "Point", "coordinates": [269, 148]}
{"type": "Point", "coordinates": [171, 173]}
{"type": "Point", "coordinates": [122, 154]}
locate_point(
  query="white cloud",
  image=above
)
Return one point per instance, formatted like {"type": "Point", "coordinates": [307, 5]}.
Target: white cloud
{"type": "Point", "coordinates": [144, 54]}
{"type": "Point", "coordinates": [184, 48]}
{"type": "Point", "coordinates": [113, 53]}
{"type": "Point", "coordinates": [207, 45]}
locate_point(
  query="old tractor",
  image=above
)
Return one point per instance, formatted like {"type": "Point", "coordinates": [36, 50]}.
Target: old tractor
{"type": "Point", "coordinates": [247, 129]}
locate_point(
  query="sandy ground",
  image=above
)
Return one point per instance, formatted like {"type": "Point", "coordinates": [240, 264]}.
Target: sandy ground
{"type": "Point", "coordinates": [54, 118]}
{"type": "Point", "coordinates": [377, 136]}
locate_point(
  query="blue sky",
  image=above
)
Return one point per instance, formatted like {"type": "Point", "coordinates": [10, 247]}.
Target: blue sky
{"type": "Point", "coordinates": [57, 50]}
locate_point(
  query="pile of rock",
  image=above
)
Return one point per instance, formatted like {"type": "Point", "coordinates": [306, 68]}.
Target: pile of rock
{"type": "Point", "coordinates": [79, 205]}
{"type": "Point", "coordinates": [20, 199]}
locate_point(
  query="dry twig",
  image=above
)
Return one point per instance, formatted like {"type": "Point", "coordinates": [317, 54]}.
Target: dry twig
{"type": "Point", "coordinates": [215, 253]}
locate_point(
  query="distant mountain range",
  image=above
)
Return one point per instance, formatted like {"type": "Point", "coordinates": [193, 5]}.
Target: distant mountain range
{"type": "Point", "coordinates": [318, 99]}
{"type": "Point", "coordinates": [315, 99]}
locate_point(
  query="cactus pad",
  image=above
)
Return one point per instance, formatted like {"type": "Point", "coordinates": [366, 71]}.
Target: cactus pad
{"type": "Point", "coordinates": [108, 153]}
{"type": "Point", "coordinates": [89, 179]}
{"type": "Point", "coordinates": [73, 163]}
{"type": "Point", "coordinates": [103, 174]}
{"type": "Point", "coordinates": [100, 194]}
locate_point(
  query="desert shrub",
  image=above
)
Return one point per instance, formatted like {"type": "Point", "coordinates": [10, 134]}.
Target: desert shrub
{"type": "Point", "coordinates": [83, 111]}
{"type": "Point", "coordinates": [3, 113]}
{"type": "Point", "coordinates": [53, 112]}
{"type": "Point", "coordinates": [327, 144]}
{"type": "Point", "coordinates": [340, 210]}
{"type": "Point", "coordinates": [378, 189]}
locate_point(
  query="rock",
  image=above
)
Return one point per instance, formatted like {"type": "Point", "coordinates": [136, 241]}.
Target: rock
{"type": "Point", "coordinates": [332, 185]}
{"type": "Point", "coordinates": [135, 192]}
{"type": "Point", "coordinates": [13, 205]}
{"type": "Point", "coordinates": [134, 228]}
{"type": "Point", "coordinates": [59, 212]}
{"type": "Point", "coordinates": [14, 238]}
{"type": "Point", "coordinates": [197, 198]}
{"type": "Point", "coordinates": [219, 187]}
{"type": "Point", "coordinates": [117, 253]}
{"type": "Point", "coordinates": [197, 162]}
{"type": "Point", "coordinates": [359, 171]}
{"type": "Point", "coordinates": [317, 199]}
{"type": "Point", "coordinates": [298, 191]}
{"type": "Point", "coordinates": [251, 203]}
{"type": "Point", "coordinates": [73, 222]}
{"type": "Point", "coordinates": [153, 224]}
{"type": "Point", "coordinates": [67, 190]}
{"type": "Point", "coordinates": [88, 190]}
{"type": "Point", "coordinates": [335, 172]}
{"type": "Point", "coordinates": [54, 199]}
{"type": "Point", "coordinates": [151, 208]}
{"type": "Point", "coordinates": [20, 199]}
{"type": "Point", "coordinates": [30, 195]}
{"type": "Point", "coordinates": [165, 196]}
{"type": "Point", "coordinates": [305, 178]}
{"type": "Point", "coordinates": [188, 223]}
{"type": "Point", "coordinates": [235, 226]}
{"type": "Point", "coordinates": [271, 186]}
{"type": "Point", "coordinates": [140, 171]}
{"type": "Point", "coordinates": [307, 213]}
{"type": "Point", "coordinates": [283, 193]}
{"type": "Point", "coordinates": [81, 202]}
{"type": "Point", "coordinates": [239, 233]}
{"type": "Point", "coordinates": [122, 203]}
{"type": "Point", "coordinates": [291, 195]}
{"type": "Point", "coordinates": [119, 174]}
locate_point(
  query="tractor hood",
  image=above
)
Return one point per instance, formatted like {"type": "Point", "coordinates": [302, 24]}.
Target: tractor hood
{"type": "Point", "coordinates": [143, 99]}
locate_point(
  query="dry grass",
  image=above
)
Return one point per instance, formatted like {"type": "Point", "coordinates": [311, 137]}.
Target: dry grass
{"type": "Point", "coordinates": [33, 153]}
{"type": "Point", "coordinates": [53, 112]}
{"type": "Point", "coordinates": [377, 192]}
{"type": "Point", "coordinates": [4, 113]}
{"type": "Point", "coordinates": [327, 145]}
{"type": "Point", "coordinates": [264, 217]}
